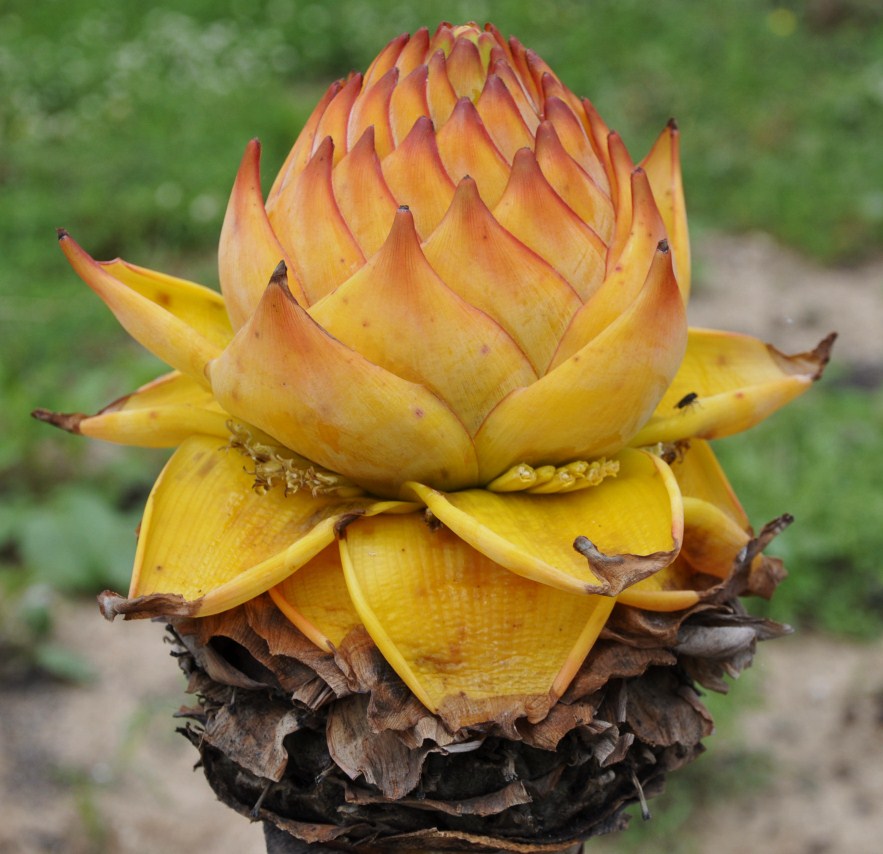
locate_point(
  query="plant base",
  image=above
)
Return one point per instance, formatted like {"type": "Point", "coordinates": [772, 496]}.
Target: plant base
{"type": "Point", "coordinates": [331, 751]}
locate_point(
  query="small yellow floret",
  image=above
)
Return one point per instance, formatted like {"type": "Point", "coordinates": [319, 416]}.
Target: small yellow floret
{"type": "Point", "coordinates": [548, 480]}
{"type": "Point", "coordinates": [277, 466]}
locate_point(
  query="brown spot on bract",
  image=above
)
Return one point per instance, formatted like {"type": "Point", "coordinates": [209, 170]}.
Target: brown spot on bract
{"type": "Point", "coordinates": [205, 465]}
{"type": "Point", "coordinates": [344, 522]}
{"type": "Point", "coordinates": [163, 299]}
{"type": "Point", "coordinates": [419, 412]}
{"type": "Point", "coordinates": [485, 349]}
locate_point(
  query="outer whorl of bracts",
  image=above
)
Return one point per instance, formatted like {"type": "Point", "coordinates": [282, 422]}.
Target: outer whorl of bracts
{"type": "Point", "coordinates": [333, 750]}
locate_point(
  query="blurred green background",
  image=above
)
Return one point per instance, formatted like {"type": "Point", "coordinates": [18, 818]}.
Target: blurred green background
{"type": "Point", "coordinates": [125, 123]}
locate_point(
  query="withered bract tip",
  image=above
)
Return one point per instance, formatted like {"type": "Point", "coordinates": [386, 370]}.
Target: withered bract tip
{"type": "Point", "coordinates": [69, 421]}
{"type": "Point", "coordinates": [823, 350]}
{"type": "Point", "coordinates": [279, 279]}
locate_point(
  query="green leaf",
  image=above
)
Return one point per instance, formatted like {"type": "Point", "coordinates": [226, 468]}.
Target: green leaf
{"type": "Point", "coordinates": [64, 664]}
{"type": "Point", "coordinates": [78, 542]}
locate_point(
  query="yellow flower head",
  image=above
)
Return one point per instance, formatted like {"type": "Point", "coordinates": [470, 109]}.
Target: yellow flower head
{"type": "Point", "coordinates": [449, 394]}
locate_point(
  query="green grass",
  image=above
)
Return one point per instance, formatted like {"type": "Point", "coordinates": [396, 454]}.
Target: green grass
{"type": "Point", "coordinates": [820, 460]}
{"type": "Point", "coordinates": [144, 109]}
{"type": "Point", "coordinates": [125, 123]}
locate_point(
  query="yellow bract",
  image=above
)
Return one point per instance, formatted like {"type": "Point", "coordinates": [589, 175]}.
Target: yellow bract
{"type": "Point", "coordinates": [208, 536]}
{"type": "Point", "coordinates": [452, 622]}
{"type": "Point", "coordinates": [638, 512]}
{"type": "Point", "coordinates": [175, 338]}
{"type": "Point", "coordinates": [316, 600]}
{"type": "Point", "coordinates": [728, 383]}
{"type": "Point", "coordinates": [315, 395]}
{"type": "Point", "coordinates": [161, 414]}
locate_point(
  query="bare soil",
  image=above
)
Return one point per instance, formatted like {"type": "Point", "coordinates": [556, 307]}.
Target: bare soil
{"type": "Point", "coordinates": [98, 768]}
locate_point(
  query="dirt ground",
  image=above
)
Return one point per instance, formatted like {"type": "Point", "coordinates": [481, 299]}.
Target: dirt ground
{"type": "Point", "coordinates": [98, 768]}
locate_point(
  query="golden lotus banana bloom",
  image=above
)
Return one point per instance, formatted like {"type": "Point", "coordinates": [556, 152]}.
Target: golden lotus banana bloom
{"type": "Point", "coordinates": [448, 393]}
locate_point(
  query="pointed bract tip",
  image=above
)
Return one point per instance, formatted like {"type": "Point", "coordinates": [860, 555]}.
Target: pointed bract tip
{"type": "Point", "coordinates": [523, 159]}
{"type": "Point", "coordinates": [822, 353]}
{"type": "Point", "coordinates": [402, 226]}
{"type": "Point", "coordinates": [467, 193]}
{"type": "Point", "coordinates": [769, 532]}
{"type": "Point", "coordinates": [662, 246]}
{"type": "Point", "coordinates": [467, 189]}
{"type": "Point", "coordinates": [68, 421]}
{"type": "Point", "coordinates": [279, 279]}
{"type": "Point", "coordinates": [672, 125]}
{"type": "Point", "coordinates": [324, 150]}
{"type": "Point", "coordinates": [402, 236]}
{"type": "Point", "coordinates": [62, 233]}
{"type": "Point", "coordinates": [423, 125]}
{"type": "Point", "coordinates": [366, 140]}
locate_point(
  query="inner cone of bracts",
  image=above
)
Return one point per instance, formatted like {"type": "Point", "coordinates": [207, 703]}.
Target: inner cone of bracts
{"type": "Point", "coordinates": [443, 547]}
